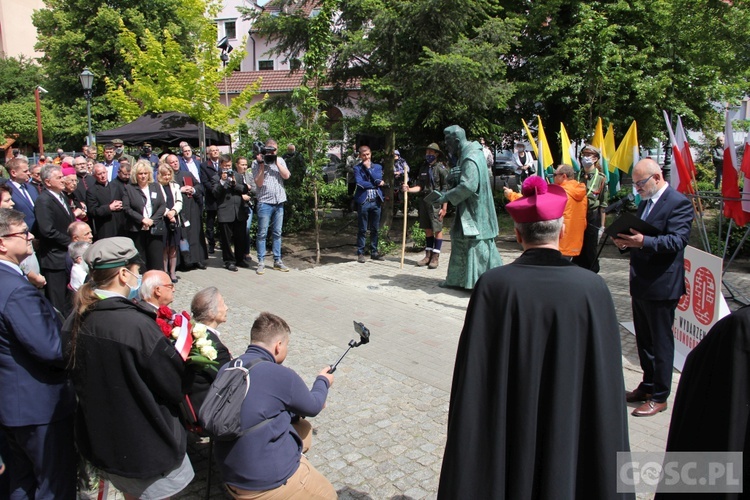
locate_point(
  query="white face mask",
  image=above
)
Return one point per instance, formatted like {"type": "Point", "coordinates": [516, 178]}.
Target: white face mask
{"type": "Point", "coordinates": [587, 162]}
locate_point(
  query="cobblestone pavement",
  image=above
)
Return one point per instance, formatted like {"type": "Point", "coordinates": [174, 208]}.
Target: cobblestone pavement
{"type": "Point", "coordinates": [383, 431]}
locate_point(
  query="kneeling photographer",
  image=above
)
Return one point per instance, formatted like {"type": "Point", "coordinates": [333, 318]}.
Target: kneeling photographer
{"type": "Point", "coordinates": [228, 190]}
{"type": "Point", "coordinates": [268, 461]}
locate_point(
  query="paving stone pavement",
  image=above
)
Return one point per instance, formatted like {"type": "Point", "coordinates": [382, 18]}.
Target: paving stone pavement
{"type": "Point", "coordinates": [382, 433]}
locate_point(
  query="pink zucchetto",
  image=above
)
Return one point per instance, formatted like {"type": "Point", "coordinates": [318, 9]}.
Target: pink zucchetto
{"type": "Point", "coordinates": [540, 202]}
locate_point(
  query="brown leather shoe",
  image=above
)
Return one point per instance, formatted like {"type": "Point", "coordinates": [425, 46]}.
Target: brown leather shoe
{"type": "Point", "coordinates": [426, 260]}
{"type": "Point", "coordinates": [649, 409]}
{"type": "Point", "coordinates": [637, 396]}
{"type": "Point", "coordinates": [434, 261]}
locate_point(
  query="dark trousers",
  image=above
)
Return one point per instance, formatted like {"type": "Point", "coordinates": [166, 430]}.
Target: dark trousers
{"type": "Point", "coordinates": [719, 168]}
{"type": "Point", "coordinates": [43, 461]}
{"type": "Point", "coordinates": [210, 228]}
{"type": "Point", "coordinates": [587, 258]}
{"type": "Point", "coordinates": [653, 335]}
{"type": "Point", "coordinates": [150, 248]}
{"type": "Point", "coordinates": [368, 217]}
{"type": "Point", "coordinates": [56, 289]}
{"type": "Point", "coordinates": [232, 234]}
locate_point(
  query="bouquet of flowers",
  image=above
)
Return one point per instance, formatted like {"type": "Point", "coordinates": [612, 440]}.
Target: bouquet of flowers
{"type": "Point", "coordinates": [189, 339]}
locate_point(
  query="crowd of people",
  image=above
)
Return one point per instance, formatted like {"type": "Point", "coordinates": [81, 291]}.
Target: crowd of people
{"type": "Point", "coordinates": [100, 364]}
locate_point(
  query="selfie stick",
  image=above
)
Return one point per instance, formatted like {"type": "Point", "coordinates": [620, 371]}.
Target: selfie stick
{"type": "Point", "coordinates": [364, 337]}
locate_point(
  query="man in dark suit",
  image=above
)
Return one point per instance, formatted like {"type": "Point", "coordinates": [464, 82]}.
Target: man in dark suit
{"type": "Point", "coordinates": [109, 162]}
{"type": "Point", "coordinates": [53, 216]}
{"type": "Point", "coordinates": [657, 281]}
{"type": "Point", "coordinates": [231, 195]}
{"type": "Point", "coordinates": [36, 401]}
{"type": "Point", "coordinates": [22, 193]}
{"type": "Point", "coordinates": [210, 170]}
{"type": "Point", "coordinates": [102, 206]}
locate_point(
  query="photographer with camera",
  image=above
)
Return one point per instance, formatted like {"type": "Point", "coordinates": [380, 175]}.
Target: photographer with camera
{"type": "Point", "coordinates": [268, 461]}
{"type": "Point", "coordinates": [229, 190]}
{"type": "Point", "coordinates": [269, 178]}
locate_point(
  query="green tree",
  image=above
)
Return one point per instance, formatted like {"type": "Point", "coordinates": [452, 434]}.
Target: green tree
{"type": "Point", "coordinates": [625, 61]}
{"type": "Point", "coordinates": [18, 79]}
{"type": "Point", "coordinates": [164, 78]}
{"type": "Point", "coordinates": [74, 34]}
{"type": "Point", "coordinates": [422, 64]}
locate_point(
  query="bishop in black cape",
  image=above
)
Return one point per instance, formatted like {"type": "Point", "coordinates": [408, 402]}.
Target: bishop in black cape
{"type": "Point", "coordinates": [712, 406]}
{"type": "Point", "coordinates": [537, 406]}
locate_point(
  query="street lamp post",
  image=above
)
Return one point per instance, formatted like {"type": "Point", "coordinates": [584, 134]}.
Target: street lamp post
{"type": "Point", "coordinates": [87, 81]}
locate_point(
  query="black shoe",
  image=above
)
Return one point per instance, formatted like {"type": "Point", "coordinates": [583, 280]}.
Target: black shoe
{"type": "Point", "coordinates": [377, 256]}
{"type": "Point", "coordinates": [200, 265]}
{"type": "Point", "coordinates": [211, 249]}
{"type": "Point", "coordinates": [231, 267]}
{"type": "Point", "coordinates": [243, 264]}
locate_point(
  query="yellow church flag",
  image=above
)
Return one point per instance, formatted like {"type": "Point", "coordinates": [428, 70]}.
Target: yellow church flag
{"type": "Point", "coordinates": [545, 155]}
{"type": "Point", "coordinates": [531, 138]}
{"type": "Point", "coordinates": [627, 153]}
{"type": "Point", "coordinates": [598, 140]}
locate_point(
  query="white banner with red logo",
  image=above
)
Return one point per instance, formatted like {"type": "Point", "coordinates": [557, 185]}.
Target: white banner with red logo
{"type": "Point", "coordinates": [702, 305]}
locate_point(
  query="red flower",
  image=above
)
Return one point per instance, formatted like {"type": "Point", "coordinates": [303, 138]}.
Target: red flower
{"type": "Point", "coordinates": [165, 327]}
{"type": "Point", "coordinates": [164, 312]}
{"type": "Point", "coordinates": [177, 319]}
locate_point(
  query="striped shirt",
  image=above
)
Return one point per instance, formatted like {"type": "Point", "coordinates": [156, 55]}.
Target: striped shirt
{"type": "Point", "coordinates": [272, 191]}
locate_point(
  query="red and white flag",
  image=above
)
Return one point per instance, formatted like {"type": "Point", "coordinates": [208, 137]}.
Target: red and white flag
{"type": "Point", "coordinates": [730, 181]}
{"type": "Point", "coordinates": [678, 172]}
{"type": "Point", "coordinates": [684, 143]}
{"type": "Point", "coordinates": [184, 341]}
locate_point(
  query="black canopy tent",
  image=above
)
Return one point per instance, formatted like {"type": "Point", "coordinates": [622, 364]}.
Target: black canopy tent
{"type": "Point", "coordinates": [162, 128]}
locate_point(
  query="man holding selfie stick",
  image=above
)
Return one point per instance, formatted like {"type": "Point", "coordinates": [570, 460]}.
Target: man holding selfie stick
{"type": "Point", "coordinates": [268, 462]}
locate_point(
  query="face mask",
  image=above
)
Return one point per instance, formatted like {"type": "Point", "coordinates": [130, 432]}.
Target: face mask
{"type": "Point", "coordinates": [430, 158]}
{"type": "Point", "coordinates": [269, 159]}
{"type": "Point", "coordinates": [587, 162]}
{"type": "Point", "coordinates": [133, 294]}
{"type": "Point", "coordinates": [119, 150]}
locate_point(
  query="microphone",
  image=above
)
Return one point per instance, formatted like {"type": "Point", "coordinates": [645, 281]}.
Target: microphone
{"type": "Point", "coordinates": [617, 207]}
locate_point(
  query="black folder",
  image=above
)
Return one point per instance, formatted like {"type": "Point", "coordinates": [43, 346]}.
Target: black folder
{"type": "Point", "coordinates": [626, 221]}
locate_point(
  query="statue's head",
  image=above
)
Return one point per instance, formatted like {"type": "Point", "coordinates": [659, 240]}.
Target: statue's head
{"type": "Point", "coordinates": [455, 137]}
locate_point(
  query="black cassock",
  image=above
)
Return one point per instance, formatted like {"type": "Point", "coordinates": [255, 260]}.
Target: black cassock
{"type": "Point", "coordinates": [191, 217]}
{"type": "Point", "coordinates": [712, 406]}
{"type": "Point", "coordinates": [537, 406]}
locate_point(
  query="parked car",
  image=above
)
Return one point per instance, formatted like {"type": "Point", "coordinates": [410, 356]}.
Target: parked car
{"type": "Point", "coordinates": [503, 163]}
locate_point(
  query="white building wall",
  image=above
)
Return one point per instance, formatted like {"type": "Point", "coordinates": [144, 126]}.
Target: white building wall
{"type": "Point", "coordinates": [256, 48]}
{"type": "Point", "coordinates": [17, 33]}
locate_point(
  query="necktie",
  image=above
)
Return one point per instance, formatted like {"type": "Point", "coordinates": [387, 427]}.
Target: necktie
{"type": "Point", "coordinates": [26, 194]}
{"type": "Point", "coordinates": [647, 210]}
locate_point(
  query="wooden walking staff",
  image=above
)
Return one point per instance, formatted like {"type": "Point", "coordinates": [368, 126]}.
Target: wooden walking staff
{"type": "Point", "coordinates": [406, 217]}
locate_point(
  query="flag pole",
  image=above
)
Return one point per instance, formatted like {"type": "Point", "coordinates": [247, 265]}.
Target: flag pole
{"type": "Point", "coordinates": [406, 218]}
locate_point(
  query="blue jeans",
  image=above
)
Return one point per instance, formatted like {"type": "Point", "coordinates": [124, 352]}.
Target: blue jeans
{"type": "Point", "coordinates": [273, 216]}
{"type": "Point", "coordinates": [368, 217]}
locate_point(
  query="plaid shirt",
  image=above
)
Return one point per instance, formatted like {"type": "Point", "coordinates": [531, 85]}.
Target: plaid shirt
{"type": "Point", "coordinates": [272, 191]}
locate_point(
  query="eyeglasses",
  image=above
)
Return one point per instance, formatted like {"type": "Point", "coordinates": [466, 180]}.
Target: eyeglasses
{"type": "Point", "coordinates": [643, 182]}
{"type": "Point", "coordinates": [25, 234]}
{"type": "Point", "coordinates": [169, 285]}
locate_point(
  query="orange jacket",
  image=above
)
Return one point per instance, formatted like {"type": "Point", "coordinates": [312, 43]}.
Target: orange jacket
{"type": "Point", "coordinates": [574, 216]}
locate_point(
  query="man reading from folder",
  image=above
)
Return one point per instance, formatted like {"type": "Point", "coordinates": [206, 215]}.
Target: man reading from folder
{"type": "Point", "coordinates": [657, 281]}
